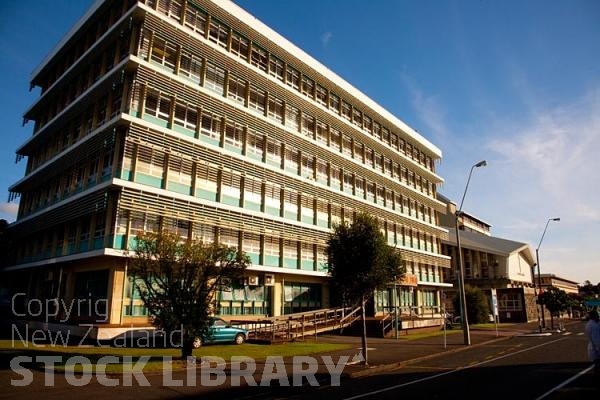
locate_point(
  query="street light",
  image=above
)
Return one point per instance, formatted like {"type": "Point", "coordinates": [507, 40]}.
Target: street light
{"type": "Point", "coordinates": [537, 259]}
{"type": "Point", "coordinates": [461, 269]}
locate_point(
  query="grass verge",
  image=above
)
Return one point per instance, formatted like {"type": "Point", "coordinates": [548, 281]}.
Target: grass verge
{"type": "Point", "coordinates": [91, 355]}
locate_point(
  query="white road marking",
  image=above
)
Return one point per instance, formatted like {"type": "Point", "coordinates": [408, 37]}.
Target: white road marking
{"type": "Point", "coordinates": [387, 389]}
{"type": "Point", "coordinates": [585, 371]}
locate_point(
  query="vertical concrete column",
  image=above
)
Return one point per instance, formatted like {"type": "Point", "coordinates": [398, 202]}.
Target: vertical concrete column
{"type": "Point", "coordinates": [114, 305]}
{"type": "Point", "coordinates": [277, 298]}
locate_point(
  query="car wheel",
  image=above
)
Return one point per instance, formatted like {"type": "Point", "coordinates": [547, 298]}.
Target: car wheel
{"type": "Point", "coordinates": [197, 343]}
{"type": "Point", "coordinates": [239, 338]}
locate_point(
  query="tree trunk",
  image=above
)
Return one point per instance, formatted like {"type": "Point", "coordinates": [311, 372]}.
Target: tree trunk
{"type": "Point", "coordinates": [187, 347]}
{"type": "Point", "coordinates": [364, 332]}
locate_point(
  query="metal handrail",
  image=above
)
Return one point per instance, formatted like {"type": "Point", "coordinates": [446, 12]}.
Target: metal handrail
{"type": "Point", "coordinates": [292, 326]}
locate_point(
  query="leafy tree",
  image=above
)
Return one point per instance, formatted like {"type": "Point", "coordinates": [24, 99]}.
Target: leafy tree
{"type": "Point", "coordinates": [178, 280]}
{"type": "Point", "coordinates": [478, 308]}
{"type": "Point", "coordinates": [589, 290]}
{"type": "Point", "coordinates": [360, 261]}
{"type": "Point", "coordinates": [574, 302]}
{"type": "Point", "coordinates": [555, 300]}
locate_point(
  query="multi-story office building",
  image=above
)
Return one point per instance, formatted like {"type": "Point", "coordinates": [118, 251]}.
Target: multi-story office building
{"type": "Point", "coordinates": [192, 115]}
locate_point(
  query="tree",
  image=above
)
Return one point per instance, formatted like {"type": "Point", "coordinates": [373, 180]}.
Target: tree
{"type": "Point", "coordinates": [360, 261]}
{"type": "Point", "coordinates": [478, 308]}
{"type": "Point", "coordinates": [178, 280]}
{"type": "Point", "coordinates": [589, 290]}
{"type": "Point", "coordinates": [555, 300]}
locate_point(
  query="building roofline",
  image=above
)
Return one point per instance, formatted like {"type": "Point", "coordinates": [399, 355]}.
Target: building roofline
{"type": "Point", "coordinates": [66, 38]}
{"type": "Point", "coordinates": [558, 277]}
{"type": "Point", "coordinates": [253, 22]}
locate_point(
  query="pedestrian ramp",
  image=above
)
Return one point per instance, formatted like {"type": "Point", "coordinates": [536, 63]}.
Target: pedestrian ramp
{"type": "Point", "coordinates": [297, 326]}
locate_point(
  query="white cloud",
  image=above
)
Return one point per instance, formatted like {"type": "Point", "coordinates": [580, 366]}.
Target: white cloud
{"type": "Point", "coordinates": [543, 166]}
{"type": "Point", "coordinates": [8, 211]}
{"type": "Point", "coordinates": [326, 38]}
{"type": "Point", "coordinates": [558, 150]}
{"type": "Point", "coordinates": [429, 109]}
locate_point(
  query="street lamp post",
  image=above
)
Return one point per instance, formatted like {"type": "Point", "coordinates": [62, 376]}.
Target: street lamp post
{"type": "Point", "coordinates": [539, 292]}
{"type": "Point", "coordinates": [461, 269]}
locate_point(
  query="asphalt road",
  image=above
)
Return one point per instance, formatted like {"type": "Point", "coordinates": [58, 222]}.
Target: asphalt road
{"type": "Point", "coordinates": [522, 367]}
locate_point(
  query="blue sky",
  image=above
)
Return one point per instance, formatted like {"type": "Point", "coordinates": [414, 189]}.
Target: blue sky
{"type": "Point", "coordinates": [516, 83]}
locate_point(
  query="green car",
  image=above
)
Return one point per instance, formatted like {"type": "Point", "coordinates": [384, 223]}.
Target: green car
{"type": "Point", "coordinates": [222, 332]}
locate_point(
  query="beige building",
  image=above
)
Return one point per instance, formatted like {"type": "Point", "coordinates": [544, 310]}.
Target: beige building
{"type": "Point", "coordinates": [567, 285]}
{"type": "Point", "coordinates": [192, 115]}
{"type": "Point", "coordinates": [491, 263]}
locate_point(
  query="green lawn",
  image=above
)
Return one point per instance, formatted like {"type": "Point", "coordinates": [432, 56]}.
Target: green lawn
{"type": "Point", "coordinates": [155, 363]}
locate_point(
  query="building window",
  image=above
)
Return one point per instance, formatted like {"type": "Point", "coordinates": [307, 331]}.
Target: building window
{"type": "Point", "coordinates": [308, 166]}
{"type": "Point", "coordinates": [292, 117]}
{"type": "Point", "coordinates": [254, 144]}
{"type": "Point", "coordinates": [195, 18]}
{"type": "Point", "coordinates": [291, 159]}
{"type": "Point", "coordinates": [150, 166]}
{"type": "Point", "coordinates": [164, 53]}
{"type": "Point", "coordinates": [347, 145]}
{"type": "Point", "coordinates": [272, 199]}
{"type": "Point", "coordinates": [230, 188]}
{"type": "Point", "coordinates": [229, 237]}
{"type": "Point", "coordinates": [335, 137]}
{"type": "Point", "coordinates": [321, 95]}
{"type": "Point", "coordinates": [211, 127]}
{"type": "Point", "coordinates": [239, 45]}
{"type": "Point", "coordinates": [190, 66]}
{"type": "Point", "coordinates": [257, 99]}
{"type": "Point", "coordinates": [186, 116]}
{"type": "Point", "coordinates": [171, 8]}
{"type": "Point", "coordinates": [334, 102]}
{"type": "Point", "coordinates": [214, 78]}
{"type": "Point", "coordinates": [308, 125]}
{"type": "Point", "coordinates": [308, 87]}
{"type": "Point", "coordinates": [322, 171]}
{"type": "Point", "coordinates": [274, 152]}
{"type": "Point", "coordinates": [290, 206]}
{"type": "Point", "coordinates": [271, 251]}
{"type": "Point", "coordinates": [203, 233]}
{"type": "Point", "coordinates": [259, 58]}
{"type": "Point", "coordinates": [179, 175]}
{"type": "Point", "coordinates": [234, 135]}
{"type": "Point", "coordinates": [335, 177]}
{"type": "Point", "coordinates": [348, 182]}
{"type": "Point", "coordinates": [251, 246]}
{"type": "Point", "coordinates": [360, 188]}
{"type": "Point", "coordinates": [252, 194]}
{"type": "Point", "coordinates": [358, 151]}
{"type": "Point", "coordinates": [275, 110]}
{"type": "Point", "coordinates": [322, 134]}
{"type": "Point", "coordinates": [292, 77]}
{"type": "Point", "coordinates": [290, 254]}
{"type": "Point", "coordinates": [157, 106]}
{"type": "Point", "coordinates": [346, 111]}
{"type": "Point", "coordinates": [236, 89]}
{"type": "Point", "coordinates": [218, 33]}
{"type": "Point", "coordinates": [206, 181]}
{"type": "Point", "coordinates": [276, 67]}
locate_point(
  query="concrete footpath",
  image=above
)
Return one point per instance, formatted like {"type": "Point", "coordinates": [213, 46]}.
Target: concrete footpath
{"type": "Point", "coordinates": [391, 353]}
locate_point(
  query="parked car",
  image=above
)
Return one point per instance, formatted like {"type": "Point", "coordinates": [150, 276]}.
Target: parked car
{"type": "Point", "coordinates": [219, 332]}
{"type": "Point", "coordinates": [222, 332]}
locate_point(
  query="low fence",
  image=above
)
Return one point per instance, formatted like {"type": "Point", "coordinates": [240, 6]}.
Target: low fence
{"type": "Point", "coordinates": [296, 326]}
